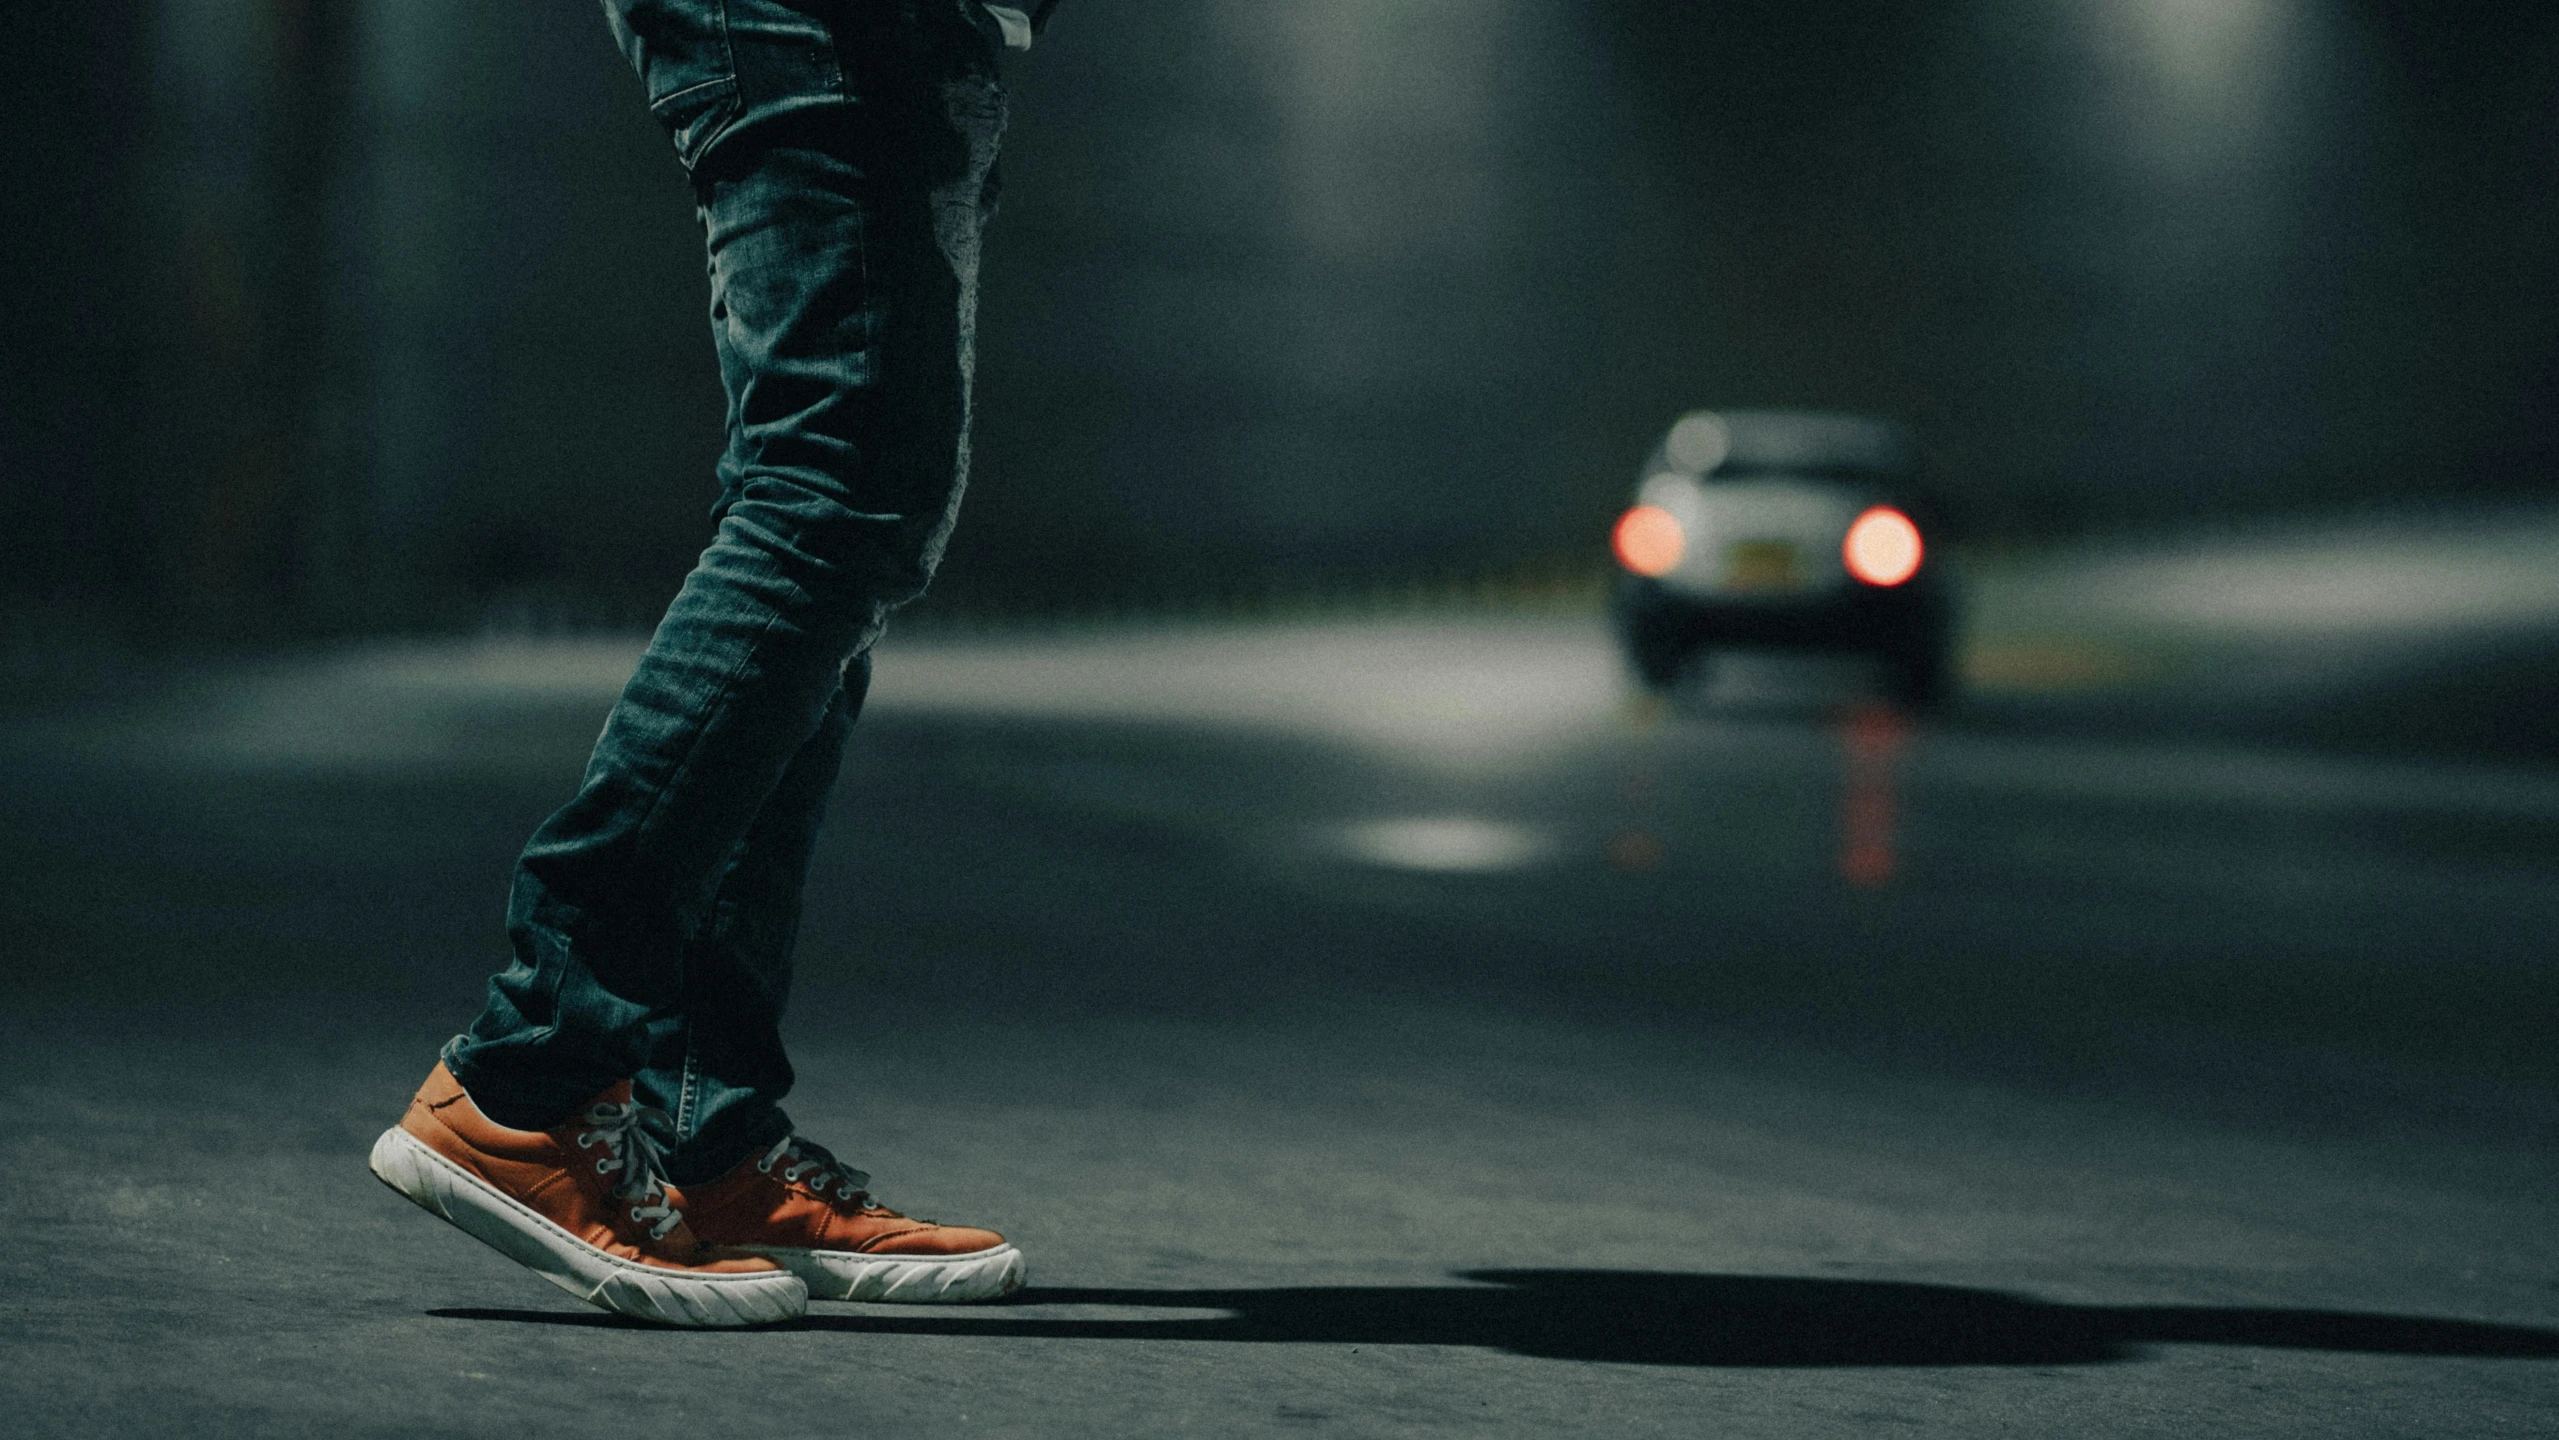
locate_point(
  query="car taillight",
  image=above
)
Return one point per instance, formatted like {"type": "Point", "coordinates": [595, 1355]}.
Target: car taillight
{"type": "Point", "coordinates": [1649, 541]}
{"type": "Point", "coordinates": [1882, 547]}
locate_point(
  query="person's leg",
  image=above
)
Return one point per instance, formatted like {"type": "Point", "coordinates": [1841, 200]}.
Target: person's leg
{"type": "Point", "coordinates": [750, 1184]}
{"type": "Point", "coordinates": [841, 151]}
{"type": "Point", "coordinates": [717, 1066]}
{"type": "Point", "coordinates": [844, 245]}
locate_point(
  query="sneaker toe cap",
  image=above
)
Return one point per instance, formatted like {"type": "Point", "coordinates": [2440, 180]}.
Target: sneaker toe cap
{"type": "Point", "coordinates": [724, 1260]}
{"type": "Point", "coordinates": [936, 1240]}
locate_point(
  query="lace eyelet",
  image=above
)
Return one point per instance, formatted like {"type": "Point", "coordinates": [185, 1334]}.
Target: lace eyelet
{"type": "Point", "coordinates": [604, 1166]}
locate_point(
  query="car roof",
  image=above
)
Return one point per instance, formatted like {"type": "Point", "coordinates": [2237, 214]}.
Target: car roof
{"type": "Point", "coordinates": [1819, 442]}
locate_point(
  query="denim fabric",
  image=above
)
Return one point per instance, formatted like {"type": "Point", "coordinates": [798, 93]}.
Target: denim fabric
{"type": "Point", "coordinates": [717, 67]}
{"type": "Point", "coordinates": [652, 917]}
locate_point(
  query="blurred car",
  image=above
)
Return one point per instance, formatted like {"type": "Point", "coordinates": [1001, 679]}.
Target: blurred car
{"type": "Point", "coordinates": [1784, 529]}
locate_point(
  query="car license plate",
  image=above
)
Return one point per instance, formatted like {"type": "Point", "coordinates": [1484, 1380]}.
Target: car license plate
{"type": "Point", "coordinates": [1763, 565]}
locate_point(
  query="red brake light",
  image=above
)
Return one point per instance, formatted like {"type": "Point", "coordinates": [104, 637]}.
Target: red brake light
{"type": "Point", "coordinates": [1882, 547]}
{"type": "Point", "coordinates": [1649, 541]}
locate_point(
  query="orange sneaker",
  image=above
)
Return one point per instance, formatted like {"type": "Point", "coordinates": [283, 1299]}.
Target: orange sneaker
{"type": "Point", "coordinates": [812, 1213]}
{"type": "Point", "coordinates": [582, 1204]}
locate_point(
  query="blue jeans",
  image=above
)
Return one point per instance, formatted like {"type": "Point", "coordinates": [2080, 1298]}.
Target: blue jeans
{"type": "Point", "coordinates": [842, 156]}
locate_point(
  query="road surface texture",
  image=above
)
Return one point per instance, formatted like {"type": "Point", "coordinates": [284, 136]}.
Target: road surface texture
{"type": "Point", "coordinates": [1390, 1026]}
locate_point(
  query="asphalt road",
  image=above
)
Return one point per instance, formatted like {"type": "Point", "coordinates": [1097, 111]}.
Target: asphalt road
{"type": "Point", "coordinates": [1372, 1026]}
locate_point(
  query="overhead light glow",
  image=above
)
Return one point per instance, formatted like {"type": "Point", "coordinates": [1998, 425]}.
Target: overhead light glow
{"type": "Point", "coordinates": [1882, 547]}
{"type": "Point", "coordinates": [1649, 541]}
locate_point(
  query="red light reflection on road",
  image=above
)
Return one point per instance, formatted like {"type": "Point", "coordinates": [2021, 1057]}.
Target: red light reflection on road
{"type": "Point", "coordinates": [1635, 851]}
{"type": "Point", "coordinates": [1873, 738]}
{"type": "Point", "coordinates": [1638, 847]}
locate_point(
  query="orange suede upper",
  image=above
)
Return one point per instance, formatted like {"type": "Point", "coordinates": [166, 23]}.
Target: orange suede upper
{"type": "Point", "coordinates": [757, 1208]}
{"type": "Point", "coordinates": [552, 1174]}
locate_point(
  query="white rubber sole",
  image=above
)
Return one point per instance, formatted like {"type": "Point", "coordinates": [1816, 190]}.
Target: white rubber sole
{"type": "Point", "coordinates": [523, 1235]}
{"type": "Point", "coordinates": [903, 1279]}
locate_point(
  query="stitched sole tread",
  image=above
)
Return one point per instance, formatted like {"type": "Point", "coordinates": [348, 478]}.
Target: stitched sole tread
{"type": "Point", "coordinates": [905, 1279]}
{"type": "Point", "coordinates": [515, 1230]}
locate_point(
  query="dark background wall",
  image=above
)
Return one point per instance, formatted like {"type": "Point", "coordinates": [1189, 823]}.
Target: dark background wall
{"type": "Point", "coordinates": [337, 315]}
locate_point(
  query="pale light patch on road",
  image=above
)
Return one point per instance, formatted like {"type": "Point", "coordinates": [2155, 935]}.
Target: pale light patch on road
{"type": "Point", "coordinates": [392, 705]}
{"type": "Point", "coordinates": [573, 668]}
{"type": "Point", "coordinates": [1472, 696]}
{"type": "Point", "coordinates": [1464, 694]}
{"type": "Point", "coordinates": [1447, 844]}
{"type": "Point", "coordinates": [2372, 581]}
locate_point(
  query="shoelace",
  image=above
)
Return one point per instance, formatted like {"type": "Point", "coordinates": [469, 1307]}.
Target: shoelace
{"type": "Point", "coordinates": [822, 1168]}
{"type": "Point", "coordinates": [636, 1139]}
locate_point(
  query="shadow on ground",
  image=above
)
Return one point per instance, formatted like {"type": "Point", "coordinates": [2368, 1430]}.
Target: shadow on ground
{"type": "Point", "coordinates": [1660, 1319]}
